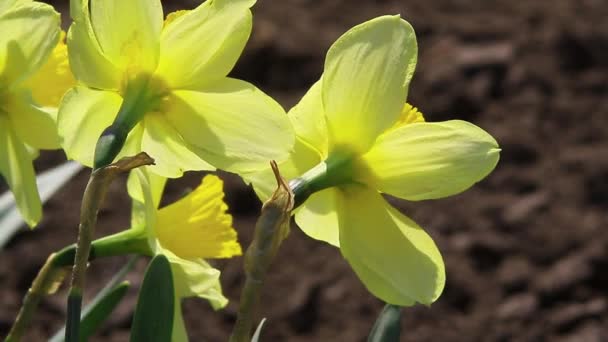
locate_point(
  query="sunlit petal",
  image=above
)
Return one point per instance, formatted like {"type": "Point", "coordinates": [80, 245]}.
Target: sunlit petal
{"type": "Point", "coordinates": [396, 259]}
{"type": "Point", "coordinates": [429, 160]}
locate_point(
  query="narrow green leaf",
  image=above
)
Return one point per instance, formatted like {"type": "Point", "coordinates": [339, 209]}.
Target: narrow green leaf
{"type": "Point", "coordinates": [258, 331]}
{"type": "Point", "coordinates": [388, 325]}
{"type": "Point", "coordinates": [98, 310]}
{"type": "Point", "coordinates": [49, 182]}
{"type": "Point", "coordinates": [153, 319]}
{"type": "Point", "coordinates": [93, 319]}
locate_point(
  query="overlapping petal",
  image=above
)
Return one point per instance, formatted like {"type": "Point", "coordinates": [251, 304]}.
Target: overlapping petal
{"type": "Point", "coordinates": [208, 39]}
{"type": "Point", "coordinates": [171, 153]}
{"type": "Point", "coordinates": [33, 125]}
{"type": "Point", "coordinates": [232, 124]}
{"type": "Point", "coordinates": [318, 216]}
{"type": "Point", "coordinates": [196, 278]}
{"type": "Point", "coordinates": [396, 259]}
{"type": "Point", "coordinates": [365, 81]}
{"type": "Point", "coordinates": [17, 169]}
{"type": "Point", "coordinates": [308, 120]}
{"type": "Point", "coordinates": [30, 31]}
{"type": "Point", "coordinates": [429, 160]}
{"type": "Point", "coordinates": [55, 71]}
{"type": "Point", "coordinates": [128, 32]}
{"type": "Point", "coordinates": [301, 160]}
{"type": "Point", "coordinates": [87, 60]}
{"type": "Point", "coordinates": [83, 116]}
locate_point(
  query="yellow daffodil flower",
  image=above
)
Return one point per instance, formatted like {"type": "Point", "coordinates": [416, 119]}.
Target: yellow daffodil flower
{"type": "Point", "coordinates": [34, 74]}
{"type": "Point", "coordinates": [194, 228]}
{"type": "Point", "coordinates": [356, 140]}
{"type": "Point", "coordinates": [188, 114]}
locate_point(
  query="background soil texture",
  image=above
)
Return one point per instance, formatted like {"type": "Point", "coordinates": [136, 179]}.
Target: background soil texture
{"type": "Point", "coordinates": [526, 250]}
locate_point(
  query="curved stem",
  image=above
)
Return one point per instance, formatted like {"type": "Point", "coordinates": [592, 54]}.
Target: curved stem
{"type": "Point", "coordinates": [44, 283]}
{"type": "Point", "coordinates": [271, 229]}
{"type": "Point", "coordinates": [94, 196]}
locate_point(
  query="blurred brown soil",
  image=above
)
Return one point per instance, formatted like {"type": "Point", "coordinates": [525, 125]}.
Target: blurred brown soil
{"type": "Point", "coordinates": [526, 249]}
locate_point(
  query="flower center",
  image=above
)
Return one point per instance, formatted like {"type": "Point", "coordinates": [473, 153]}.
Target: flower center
{"type": "Point", "coordinates": [148, 90]}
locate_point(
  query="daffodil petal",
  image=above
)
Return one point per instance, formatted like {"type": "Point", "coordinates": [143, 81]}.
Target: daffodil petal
{"type": "Point", "coordinates": [318, 217]}
{"type": "Point", "coordinates": [83, 115]}
{"type": "Point", "coordinates": [196, 278]}
{"type": "Point", "coordinates": [6, 4]}
{"type": "Point", "coordinates": [87, 60]}
{"type": "Point", "coordinates": [233, 125]}
{"type": "Point", "coordinates": [308, 119]}
{"type": "Point", "coordinates": [128, 32]}
{"type": "Point", "coordinates": [302, 159]}
{"type": "Point", "coordinates": [203, 45]}
{"type": "Point", "coordinates": [366, 78]}
{"type": "Point", "coordinates": [33, 125]}
{"type": "Point", "coordinates": [170, 152]}
{"type": "Point", "coordinates": [55, 71]}
{"type": "Point", "coordinates": [30, 31]}
{"type": "Point", "coordinates": [396, 259]}
{"type": "Point", "coordinates": [179, 333]}
{"type": "Point", "coordinates": [145, 189]}
{"type": "Point", "coordinates": [429, 160]}
{"type": "Point", "coordinates": [198, 226]}
{"type": "Point", "coordinates": [17, 169]}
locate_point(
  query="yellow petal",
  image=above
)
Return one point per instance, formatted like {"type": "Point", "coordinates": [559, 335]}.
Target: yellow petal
{"type": "Point", "coordinates": [35, 126]}
{"type": "Point", "coordinates": [55, 71]}
{"type": "Point", "coordinates": [196, 278]}
{"type": "Point", "coordinates": [197, 226]}
{"type": "Point", "coordinates": [5, 5]}
{"type": "Point", "coordinates": [396, 259]}
{"type": "Point", "coordinates": [17, 169]}
{"type": "Point", "coordinates": [30, 31]}
{"type": "Point", "coordinates": [308, 120]}
{"type": "Point", "coordinates": [179, 333]}
{"type": "Point", "coordinates": [233, 125]}
{"type": "Point", "coordinates": [429, 160]}
{"type": "Point", "coordinates": [87, 60]}
{"type": "Point", "coordinates": [171, 154]}
{"type": "Point", "coordinates": [145, 190]}
{"type": "Point", "coordinates": [128, 32]}
{"type": "Point", "coordinates": [302, 159]}
{"type": "Point", "coordinates": [203, 45]}
{"type": "Point", "coordinates": [83, 115]}
{"type": "Point", "coordinates": [365, 82]}
{"type": "Point", "coordinates": [318, 217]}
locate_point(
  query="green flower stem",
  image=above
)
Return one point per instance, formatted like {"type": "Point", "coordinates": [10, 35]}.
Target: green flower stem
{"type": "Point", "coordinates": [136, 102]}
{"type": "Point", "coordinates": [130, 241]}
{"type": "Point", "coordinates": [271, 229]}
{"type": "Point", "coordinates": [94, 195]}
{"type": "Point", "coordinates": [45, 283]}
{"type": "Point", "coordinates": [335, 170]}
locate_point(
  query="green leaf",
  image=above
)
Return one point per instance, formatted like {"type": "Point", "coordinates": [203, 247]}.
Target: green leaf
{"type": "Point", "coordinates": [388, 325]}
{"type": "Point", "coordinates": [96, 312]}
{"type": "Point", "coordinates": [258, 331]}
{"type": "Point", "coordinates": [153, 319]}
{"type": "Point", "coordinates": [49, 182]}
